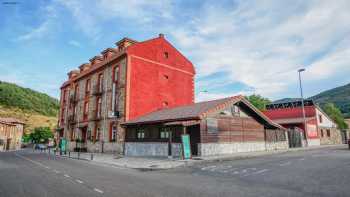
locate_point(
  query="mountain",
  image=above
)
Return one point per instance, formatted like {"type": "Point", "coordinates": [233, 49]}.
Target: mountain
{"type": "Point", "coordinates": [34, 108]}
{"type": "Point", "coordinates": [12, 95]}
{"type": "Point", "coordinates": [340, 96]}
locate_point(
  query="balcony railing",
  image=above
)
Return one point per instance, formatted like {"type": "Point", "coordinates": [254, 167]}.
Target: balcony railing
{"type": "Point", "coordinates": [96, 116]}
{"type": "Point", "coordinates": [98, 90]}
{"type": "Point", "coordinates": [73, 99]}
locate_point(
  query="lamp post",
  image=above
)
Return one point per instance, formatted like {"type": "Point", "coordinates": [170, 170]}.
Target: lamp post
{"type": "Point", "coordinates": [302, 104]}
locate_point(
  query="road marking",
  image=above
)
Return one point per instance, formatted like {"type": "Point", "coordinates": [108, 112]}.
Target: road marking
{"type": "Point", "coordinates": [302, 159]}
{"type": "Point", "coordinates": [97, 190]}
{"type": "Point", "coordinates": [257, 172]}
{"type": "Point", "coordinates": [32, 161]}
{"type": "Point", "coordinates": [285, 164]}
{"type": "Point", "coordinates": [66, 175]}
{"type": "Point", "coordinates": [208, 167]}
{"type": "Point", "coordinates": [79, 181]}
{"type": "Point", "coordinates": [56, 171]}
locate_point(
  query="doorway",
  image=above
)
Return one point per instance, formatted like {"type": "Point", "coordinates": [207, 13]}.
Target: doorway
{"type": "Point", "coordinates": [8, 144]}
{"type": "Point", "coordinates": [195, 138]}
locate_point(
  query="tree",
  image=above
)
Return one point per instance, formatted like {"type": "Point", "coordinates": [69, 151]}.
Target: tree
{"type": "Point", "coordinates": [258, 101]}
{"type": "Point", "coordinates": [335, 114]}
{"type": "Point", "coordinates": [41, 135]}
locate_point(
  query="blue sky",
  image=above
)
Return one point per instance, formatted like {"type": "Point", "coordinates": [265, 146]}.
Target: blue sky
{"type": "Point", "coordinates": [238, 47]}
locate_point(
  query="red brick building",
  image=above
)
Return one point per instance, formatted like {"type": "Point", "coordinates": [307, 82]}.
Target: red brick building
{"type": "Point", "coordinates": [121, 84]}
{"type": "Point", "coordinates": [320, 128]}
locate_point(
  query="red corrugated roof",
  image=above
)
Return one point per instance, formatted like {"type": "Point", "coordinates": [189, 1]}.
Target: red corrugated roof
{"type": "Point", "coordinates": [310, 111]}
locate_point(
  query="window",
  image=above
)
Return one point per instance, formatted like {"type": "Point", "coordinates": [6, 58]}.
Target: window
{"type": "Point", "coordinates": [166, 55]}
{"type": "Point", "coordinates": [86, 110]}
{"type": "Point", "coordinates": [89, 134]}
{"type": "Point", "coordinates": [100, 82]}
{"type": "Point", "coordinates": [98, 107]}
{"type": "Point", "coordinates": [140, 133]}
{"type": "Point", "coordinates": [322, 133]}
{"type": "Point", "coordinates": [115, 74]}
{"type": "Point", "coordinates": [87, 87]}
{"type": "Point", "coordinates": [212, 125]}
{"type": "Point", "coordinates": [76, 91]}
{"type": "Point", "coordinates": [113, 132]}
{"type": "Point", "coordinates": [328, 133]}
{"type": "Point", "coordinates": [165, 133]}
{"type": "Point", "coordinates": [320, 118]}
{"type": "Point", "coordinates": [165, 104]}
{"type": "Point", "coordinates": [235, 110]}
{"type": "Point", "coordinates": [166, 77]}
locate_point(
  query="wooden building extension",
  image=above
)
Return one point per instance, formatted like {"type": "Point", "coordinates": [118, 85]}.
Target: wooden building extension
{"type": "Point", "coordinates": [215, 127]}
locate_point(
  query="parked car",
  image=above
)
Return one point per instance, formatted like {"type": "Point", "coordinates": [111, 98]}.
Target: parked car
{"type": "Point", "coordinates": [40, 146]}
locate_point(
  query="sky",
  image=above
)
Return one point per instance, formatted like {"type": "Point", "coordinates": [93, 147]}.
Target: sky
{"type": "Point", "coordinates": [237, 47]}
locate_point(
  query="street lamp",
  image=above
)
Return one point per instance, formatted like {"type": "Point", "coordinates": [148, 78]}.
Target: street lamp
{"type": "Point", "coordinates": [302, 104]}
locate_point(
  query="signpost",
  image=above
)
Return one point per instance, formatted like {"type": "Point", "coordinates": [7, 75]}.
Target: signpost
{"type": "Point", "coordinates": [186, 146]}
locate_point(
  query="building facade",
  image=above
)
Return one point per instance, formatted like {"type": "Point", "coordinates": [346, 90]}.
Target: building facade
{"type": "Point", "coordinates": [11, 132]}
{"type": "Point", "coordinates": [320, 129]}
{"type": "Point", "coordinates": [223, 126]}
{"type": "Point", "coordinates": [121, 84]}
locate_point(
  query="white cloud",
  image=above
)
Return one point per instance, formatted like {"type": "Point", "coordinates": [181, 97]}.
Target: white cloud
{"type": "Point", "coordinates": [44, 28]}
{"type": "Point", "coordinates": [261, 44]}
{"type": "Point", "coordinates": [74, 43]}
{"type": "Point", "coordinates": [90, 15]}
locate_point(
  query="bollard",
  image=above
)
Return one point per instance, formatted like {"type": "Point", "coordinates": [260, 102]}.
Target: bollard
{"type": "Point", "coordinates": [79, 155]}
{"type": "Point", "coordinates": [68, 154]}
{"type": "Point", "coordinates": [92, 156]}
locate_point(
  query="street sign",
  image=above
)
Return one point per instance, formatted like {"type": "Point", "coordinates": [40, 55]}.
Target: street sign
{"type": "Point", "coordinates": [186, 146]}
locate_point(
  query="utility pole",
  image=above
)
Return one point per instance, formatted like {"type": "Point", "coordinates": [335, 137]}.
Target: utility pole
{"type": "Point", "coordinates": [302, 105]}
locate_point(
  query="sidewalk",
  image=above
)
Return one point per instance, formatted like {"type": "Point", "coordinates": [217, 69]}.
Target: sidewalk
{"type": "Point", "coordinates": [160, 163]}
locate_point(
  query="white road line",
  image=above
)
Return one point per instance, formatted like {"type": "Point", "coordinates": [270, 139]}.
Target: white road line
{"type": "Point", "coordinates": [257, 172]}
{"type": "Point", "coordinates": [66, 175]}
{"type": "Point", "coordinates": [32, 161]}
{"type": "Point", "coordinates": [302, 159]}
{"type": "Point", "coordinates": [97, 190]}
{"type": "Point", "coordinates": [284, 164]}
{"type": "Point", "coordinates": [56, 171]}
{"type": "Point", "coordinates": [79, 181]}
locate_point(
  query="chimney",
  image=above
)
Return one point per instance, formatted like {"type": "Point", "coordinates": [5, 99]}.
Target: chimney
{"type": "Point", "coordinates": [124, 43]}
{"type": "Point", "coordinates": [95, 60]}
{"type": "Point", "coordinates": [84, 67]}
{"type": "Point", "coordinates": [73, 73]}
{"type": "Point", "coordinates": [161, 35]}
{"type": "Point", "coordinates": [108, 53]}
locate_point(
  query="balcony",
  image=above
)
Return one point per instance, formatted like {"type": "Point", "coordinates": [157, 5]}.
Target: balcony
{"type": "Point", "coordinates": [98, 90]}
{"type": "Point", "coordinates": [96, 116]}
{"type": "Point", "coordinates": [71, 119]}
{"type": "Point", "coordinates": [73, 99]}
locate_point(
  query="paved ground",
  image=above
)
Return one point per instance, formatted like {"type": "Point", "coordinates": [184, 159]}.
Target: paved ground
{"type": "Point", "coordinates": [322, 172]}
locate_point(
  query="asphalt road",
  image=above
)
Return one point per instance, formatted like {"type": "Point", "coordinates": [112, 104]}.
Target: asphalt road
{"type": "Point", "coordinates": [321, 172]}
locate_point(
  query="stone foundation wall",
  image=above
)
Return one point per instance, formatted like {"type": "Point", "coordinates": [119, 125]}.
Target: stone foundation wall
{"type": "Point", "coordinates": [313, 142]}
{"type": "Point", "coordinates": [207, 149]}
{"type": "Point", "coordinates": [335, 137]}
{"type": "Point", "coordinates": [271, 146]}
{"type": "Point", "coordinates": [151, 149]}
{"type": "Point", "coordinates": [108, 147]}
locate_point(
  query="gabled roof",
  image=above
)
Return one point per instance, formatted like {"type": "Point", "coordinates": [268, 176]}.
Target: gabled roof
{"type": "Point", "coordinates": [196, 111]}
{"type": "Point", "coordinates": [11, 121]}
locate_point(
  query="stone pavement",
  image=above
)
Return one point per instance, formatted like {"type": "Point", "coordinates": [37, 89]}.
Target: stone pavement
{"type": "Point", "coordinates": [159, 163]}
